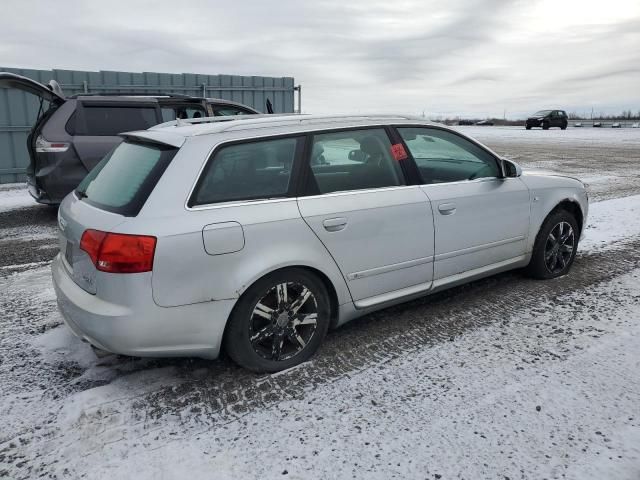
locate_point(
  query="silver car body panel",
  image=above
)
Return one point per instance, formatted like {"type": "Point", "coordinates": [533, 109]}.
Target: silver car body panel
{"type": "Point", "coordinates": [374, 248]}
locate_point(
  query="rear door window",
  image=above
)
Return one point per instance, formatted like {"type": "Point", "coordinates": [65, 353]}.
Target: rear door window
{"type": "Point", "coordinates": [247, 171]}
{"type": "Point", "coordinates": [124, 179]}
{"type": "Point", "coordinates": [101, 120]}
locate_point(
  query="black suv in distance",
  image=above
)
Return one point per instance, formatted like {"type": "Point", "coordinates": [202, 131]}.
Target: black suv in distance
{"type": "Point", "coordinates": [72, 134]}
{"type": "Point", "coordinates": [547, 119]}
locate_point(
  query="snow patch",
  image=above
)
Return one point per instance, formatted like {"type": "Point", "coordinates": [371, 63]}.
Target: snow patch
{"type": "Point", "coordinates": [14, 196]}
{"type": "Point", "coordinates": [611, 221]}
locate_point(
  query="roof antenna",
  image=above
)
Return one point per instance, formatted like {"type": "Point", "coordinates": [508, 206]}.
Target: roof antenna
{"type": "Point", "coordinates": [269, 106]}
{"type": "Point", "coordinates": [180, 123]}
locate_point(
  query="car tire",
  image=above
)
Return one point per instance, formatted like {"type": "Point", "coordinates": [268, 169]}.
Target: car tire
{"type": "Point", "coordinates": [545, 126]}
{"type": "Point", "coordinates": [564, 127]}
{"type": "Point", "coordinates": [555, 246]}
{"type": "Point", "coordinates": [528, 127]}
{"type": "Point", "coordinates": [278, 322]}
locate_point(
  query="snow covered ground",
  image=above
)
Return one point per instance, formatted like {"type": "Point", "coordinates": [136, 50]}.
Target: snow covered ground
{"type": "Point", "coordinates": [546, 388]}
{"type": "Point", "coordinates": [503, 378]}
{"type": "Point", "coordinates": [14, 195]}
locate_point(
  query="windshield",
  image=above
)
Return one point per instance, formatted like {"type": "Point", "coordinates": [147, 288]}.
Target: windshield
{"type": "Point", "coordinates": [124, 179]}
{"type": "Point", "coordinates": [541, 113]}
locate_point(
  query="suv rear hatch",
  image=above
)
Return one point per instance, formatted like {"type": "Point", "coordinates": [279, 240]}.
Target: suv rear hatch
{"type": "Point", "coordinates": [51, 93]}
{"type": "Point", "coordinates": [110, 195]}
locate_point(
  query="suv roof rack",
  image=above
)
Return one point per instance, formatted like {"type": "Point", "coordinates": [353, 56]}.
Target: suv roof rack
{"type": "Point", "coordinates": [135, 94]}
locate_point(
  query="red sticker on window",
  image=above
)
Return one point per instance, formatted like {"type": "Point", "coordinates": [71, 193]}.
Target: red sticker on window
{"type": "Point", "coordinates": [398, 151]}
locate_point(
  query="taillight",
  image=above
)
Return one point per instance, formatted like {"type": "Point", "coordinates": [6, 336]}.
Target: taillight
{"type": "Point", "coordinates": [118, 252]}
{"type": "Point", "coordinates": [44, 146]}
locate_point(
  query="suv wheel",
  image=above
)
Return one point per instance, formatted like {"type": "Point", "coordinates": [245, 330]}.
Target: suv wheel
{"type": "Point", "coordinates": [555, 247]}
{"type": "Point", "coordinates": [528, 127]}
{"type": "Point", "coordinates": [564, 126]}
{"type": "Point", "coordinates": [545, 125]}
{"type": "Point", "coordinates": [279, 322]}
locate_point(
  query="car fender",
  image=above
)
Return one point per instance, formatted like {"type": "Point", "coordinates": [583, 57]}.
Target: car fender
{"type": "Point", "coordinates": [547, 192]}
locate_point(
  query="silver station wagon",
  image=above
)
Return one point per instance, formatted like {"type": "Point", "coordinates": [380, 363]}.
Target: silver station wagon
{"type": "Point", "coordinates": [257, 235]}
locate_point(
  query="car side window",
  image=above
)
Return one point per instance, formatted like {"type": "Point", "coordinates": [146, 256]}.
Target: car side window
{"type": "Point", "coordinates": [443, 156]}
{"type": "Point", "coordinates": [226, 110]}
{"type": "Point", "coordinates": [247, 171]}
{"type": "Point", "coordinates": [170, 113]}
{"type": "Point", "coordinates": [111, 121]}
{"type": "Point", "coordinates": [352, 160]}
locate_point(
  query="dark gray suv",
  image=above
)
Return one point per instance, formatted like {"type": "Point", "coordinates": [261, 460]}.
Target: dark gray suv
{"type": "Point", "coordinates": [72, 134]}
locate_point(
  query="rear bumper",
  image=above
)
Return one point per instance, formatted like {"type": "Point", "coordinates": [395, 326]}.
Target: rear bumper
{"type": "Point", "coordinates": [145, 329]}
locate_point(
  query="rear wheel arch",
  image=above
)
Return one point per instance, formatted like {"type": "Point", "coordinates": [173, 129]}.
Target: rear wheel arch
{"type": "Point", "coordinates": [234, 344]}
{"type": "Point", "coordinates": [323, 277]}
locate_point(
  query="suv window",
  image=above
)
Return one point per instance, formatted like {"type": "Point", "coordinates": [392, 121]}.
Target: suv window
{"type": "Point", "coordinates": [352, 160]}
{"type": "Point", "coordinates": [226, 110]}
{"type": "Point", "coordinates": [247, 171]}
{"type": "Point", "coordinates": [111, 121]}
{"type": "Point", "coordinates": [443, 156]}
{"type": "Point", "coordinates": [124, 179]}
{"type": "Point", "coordinates": [182, 112]}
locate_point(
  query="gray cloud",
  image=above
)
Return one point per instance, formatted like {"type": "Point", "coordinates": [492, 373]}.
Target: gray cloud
{"type": "Point", "coordinates": [463, 57]}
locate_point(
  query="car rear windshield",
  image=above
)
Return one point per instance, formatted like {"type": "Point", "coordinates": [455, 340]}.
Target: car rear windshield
{"type": "Point", "coordinates": [124, 179]}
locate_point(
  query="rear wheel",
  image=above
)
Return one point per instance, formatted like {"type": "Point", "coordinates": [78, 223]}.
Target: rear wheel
{"type": "Point", "coordinates": [279, 322]}
{"type": "Point", "coordinates": [555, 247]}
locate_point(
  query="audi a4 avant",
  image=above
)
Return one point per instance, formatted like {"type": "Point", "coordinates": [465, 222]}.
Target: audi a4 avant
{"type": "Point", "coordinates": [258, 235]}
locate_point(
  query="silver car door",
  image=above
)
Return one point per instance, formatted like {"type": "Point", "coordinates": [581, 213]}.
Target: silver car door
{"type": "Point", "coordinates": [480, 218]}
{"type": "Point", "coordinates": [378, 230]}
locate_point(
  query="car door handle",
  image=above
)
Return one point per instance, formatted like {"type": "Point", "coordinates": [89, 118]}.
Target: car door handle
{"type": "Point", "coordinates": [334, 224]}
{"type": "Point", "coordinates": [447, 208]}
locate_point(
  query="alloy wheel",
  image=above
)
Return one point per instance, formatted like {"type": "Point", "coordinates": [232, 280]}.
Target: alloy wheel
{"type": "Point", "coordinates": [559, 247]}
{"type": "Point", "coordinates": [283, 321]}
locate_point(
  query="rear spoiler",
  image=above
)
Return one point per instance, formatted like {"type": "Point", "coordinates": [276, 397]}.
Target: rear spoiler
{"type": "Point", "coordinates": [161, 137]}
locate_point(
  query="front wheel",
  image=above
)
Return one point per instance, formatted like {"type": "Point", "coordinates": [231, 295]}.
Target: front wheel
{"type": "Point", "coordinates": [555, 246]}
{"type": "Point", "coordinates": [528, 127]}
{"type": "Point", "coordinates": [279, 322]}
{"type": "Point", "coordinates": [545, 126]}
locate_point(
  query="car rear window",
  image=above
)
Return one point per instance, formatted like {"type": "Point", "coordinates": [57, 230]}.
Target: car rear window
{"type": "Point", "coordinates": [111, 121]}
{"type": "Point", "coordinates": [124, 179]}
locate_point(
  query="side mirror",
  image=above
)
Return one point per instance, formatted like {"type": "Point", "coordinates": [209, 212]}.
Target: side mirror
{"type": "Point", "coordinates": [357, 155]}
{"type": "Point", "coordinates": [511, 169]}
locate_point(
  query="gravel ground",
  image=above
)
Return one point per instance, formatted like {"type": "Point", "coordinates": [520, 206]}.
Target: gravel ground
{"type": "Point", "coordinates": [502, 378]}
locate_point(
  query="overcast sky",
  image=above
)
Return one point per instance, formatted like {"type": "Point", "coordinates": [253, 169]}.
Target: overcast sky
{"type": "Point", "coordinates": [453, 57]}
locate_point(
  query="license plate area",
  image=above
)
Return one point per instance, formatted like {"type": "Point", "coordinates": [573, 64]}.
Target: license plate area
{"type": "Point", "coordinates": [66, 248]}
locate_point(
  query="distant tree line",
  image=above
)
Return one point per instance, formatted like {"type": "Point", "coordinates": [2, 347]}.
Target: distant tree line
{"type": "Point", "coordinates": [625, 115]}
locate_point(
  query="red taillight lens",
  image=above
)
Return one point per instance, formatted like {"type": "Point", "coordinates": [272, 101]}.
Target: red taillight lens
{"type": "Point", "coordinates": [91, 242]}
{"type": "Point", "coordinates": [119, 253]}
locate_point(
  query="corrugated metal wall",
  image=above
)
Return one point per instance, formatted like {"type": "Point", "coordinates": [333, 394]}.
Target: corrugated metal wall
{"type": "Point", "coordinates": [18, 110]}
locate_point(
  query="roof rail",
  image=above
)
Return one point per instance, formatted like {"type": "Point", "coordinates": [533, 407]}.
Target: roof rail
{"type": "Point", "coordinates": [181, 122]}
{"type": "Point", "coordinates": [304, 118]}
{"type": "Point", "coordinates": [133, 94]}
{"type": "Point", "coordinates": [268, 120]}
